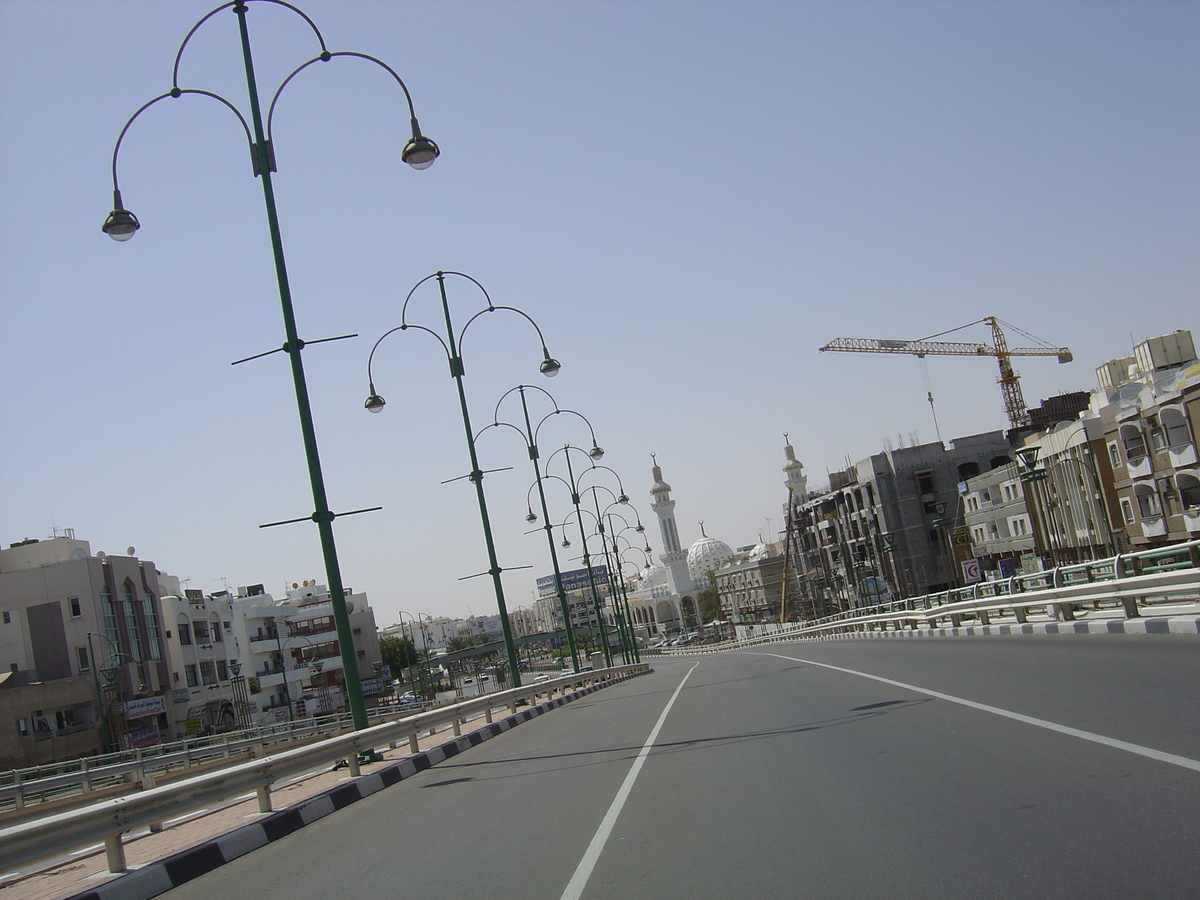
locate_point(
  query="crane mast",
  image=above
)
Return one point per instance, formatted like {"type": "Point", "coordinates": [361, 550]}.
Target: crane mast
{"type": "Point", "coordinates": [1009, 380]}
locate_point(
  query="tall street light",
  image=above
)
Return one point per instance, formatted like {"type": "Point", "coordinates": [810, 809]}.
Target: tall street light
{"type": "Point", "coordinates": [452, 345]}
{"type": "Point", "coordinates": [573, 485]}
{"type": "Point", "coordinates": [530, 435]}
{"type": "Point", "coordinates": [608, 542]}
{"type": "Point", "coordinates": [121, 224]}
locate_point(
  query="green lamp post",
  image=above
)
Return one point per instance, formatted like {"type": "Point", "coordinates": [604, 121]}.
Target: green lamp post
{"type": "Point", "coordinates": [452, 345]}
{"type": "Point", "coordinates": [121, 225]}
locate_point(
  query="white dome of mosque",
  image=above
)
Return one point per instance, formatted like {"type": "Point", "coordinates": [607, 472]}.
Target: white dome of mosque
{"type": "Point", "coordinates": [652, 577]}
{"type": "Point", "coordinates": [757, 552]}
{"type": "Point", "coordinates": [706, 555]}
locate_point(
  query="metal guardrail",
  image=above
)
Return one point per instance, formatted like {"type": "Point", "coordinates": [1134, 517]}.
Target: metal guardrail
{"type": "Point", "coordinates": [84, 775]}
{"type": "Point", "coordinates": [1134, 580]}
{"type": "Point", "coordinates": [106, 820]}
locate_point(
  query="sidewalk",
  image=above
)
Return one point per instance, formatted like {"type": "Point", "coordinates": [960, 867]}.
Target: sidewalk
{"type": "Point", "coordinates": [87, 869]}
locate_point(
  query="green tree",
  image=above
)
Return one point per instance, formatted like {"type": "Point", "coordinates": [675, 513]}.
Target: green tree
{"type": "Point", "coordinates": [709, 600]}
{"type": "Point", "coordinates": [397, 653]}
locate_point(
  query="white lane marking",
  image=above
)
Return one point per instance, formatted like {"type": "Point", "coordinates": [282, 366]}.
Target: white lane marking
{"type": "Point", "coordinates": [584, 870]}
{"type": "Point", "coordinates": [1151, 753]}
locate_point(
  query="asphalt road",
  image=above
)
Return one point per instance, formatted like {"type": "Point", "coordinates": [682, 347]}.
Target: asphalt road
{"type": "Point", "coordinates": [773, 775]}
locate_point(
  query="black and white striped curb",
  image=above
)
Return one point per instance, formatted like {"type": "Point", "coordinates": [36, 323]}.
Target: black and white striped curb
{"type": "Point", "coordinates": [1159, 625]}
{"type": "Point", "coordinates": [1152, 625]}
{"type": "Point", "coordinates": [155, 878]}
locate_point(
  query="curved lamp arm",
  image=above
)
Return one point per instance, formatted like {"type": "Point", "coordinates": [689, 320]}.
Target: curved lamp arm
{"type": "Point", "coordinates": [549, 367]}
{"type": "Point", "coordinates": [196, 27]}
{"type": "Point", "coordinates": [121, 223]}
{"type": "Point", "coordinates": [623, 498]}
{"type": "Point", "coordinates": [596, 453]}
{"type": "Point", "coordinates": [374, 402]}
{"type": "Point", "coordinates": [419, 152]}
{"type": "Point", "coordinates": [511, 390]}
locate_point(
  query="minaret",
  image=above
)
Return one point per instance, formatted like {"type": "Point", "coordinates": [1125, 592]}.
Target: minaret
{"type": "Point", "coordinates": [673, 557]}
{"type": "Point", "coordinates": [796, 481]}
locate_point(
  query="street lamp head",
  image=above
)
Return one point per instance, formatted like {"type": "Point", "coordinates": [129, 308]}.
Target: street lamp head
{"type": "Point", "coordinates": [420, 152]}
{"type": "Point", "coordinates": [550, 365]}
{"type": "Point", "coordinates": [624, 498]}
{"type": "Point", "coordinates": [121, 223]}
{"type": "Point", "coordinates": [531, 517]}
{"type": "Point", "coordinates": [640, 528]}
{"type": "Point", "coordinates": [596, 453]}
{"type": "Point", "coordinates": [566, 543]}
{"type": "Point", "coordinates": [374, 403]}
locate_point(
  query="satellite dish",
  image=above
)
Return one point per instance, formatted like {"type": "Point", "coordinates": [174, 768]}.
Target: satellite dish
{"type": "Point", "coordinates": [100, 554]}
{"type": "Point", "coordinates": [130, 551]}
{"type": "Point", "coordinates": [78, 553]}
{"type": "Point", "coordinates": [349, 607]}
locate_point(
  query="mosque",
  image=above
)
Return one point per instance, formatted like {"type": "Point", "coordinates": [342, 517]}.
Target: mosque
{"type": "Point", "coordinates": [664, 599]}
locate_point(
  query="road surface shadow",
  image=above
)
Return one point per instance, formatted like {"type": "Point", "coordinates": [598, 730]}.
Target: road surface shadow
{"type": "Point", "coordinates": [585, 758]}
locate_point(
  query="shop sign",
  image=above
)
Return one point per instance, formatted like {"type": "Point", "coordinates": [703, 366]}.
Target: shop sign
{"type": "Point", "coordinates": [145, 706]}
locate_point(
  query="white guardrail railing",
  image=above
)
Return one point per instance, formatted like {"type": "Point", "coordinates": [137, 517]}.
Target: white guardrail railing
{"type": "Point", "coordinates": [106, 820]}
{"type": "Point", "coordinates": [1131, 580]}
{"type": "Point", "coordinates": [80, 777]}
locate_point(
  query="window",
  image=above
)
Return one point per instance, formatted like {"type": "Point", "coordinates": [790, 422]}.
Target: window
{"type": "Point", "coordinates": [1135, 444]}
{"type": "Point", "coordinates": [1148, 503]}
{"type": "Point", "coordinates": [222, 671]}
{"type": "Point", "coordinates": [1114, 455]}
{"type": "Point", "coordinates": [76, 609]}
{"type": "Point", "coordinates": [150, 614]}
{"type": "Point", "coordinates": [185, 633]}
{"type": "Point", "coordinates": [22, 728]}
{"type": "Point", "coordinates": [7, 617]}
{"type": "Point", "coordinates": [81, 654]}
{"type": "Point", "coordinates": [216, 632]}
{"type": "Point", "coordinates": [1189, 490]}
{"type": "Point", "coordinates": [190, 673]}
{"type": "Point", "coordinates": [1127, 510]}
{"type": "Point", "coordinates": [925, 482]}
{"type": "Point", "coordinates": [208, 672]}
{"type": "Point", "coordinates": [1158, 439]}
{"type": "Point", "coordinates": [200, 629]}
{"type": "Point", "coordinates": [128, 610]}
{"type": "Point", "coordinates": [1178, 433]}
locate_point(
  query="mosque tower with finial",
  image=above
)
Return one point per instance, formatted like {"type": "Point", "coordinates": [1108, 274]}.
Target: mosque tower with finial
{"type": "Point", "coordinates": [673, 557]}
{"type": "Point", "coordinates": [793, 470]}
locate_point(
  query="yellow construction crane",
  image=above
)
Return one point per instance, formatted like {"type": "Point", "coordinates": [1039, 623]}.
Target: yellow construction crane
{"type": "Point", "coordinates": [1009, 380]}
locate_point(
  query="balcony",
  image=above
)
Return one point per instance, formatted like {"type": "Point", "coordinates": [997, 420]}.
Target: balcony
{"type": "Point", "coordinates": [1140, 466]}
{"type": "Point", "coordinates": [1191, 519]}
{"type": "Point", "coordinates": [1182, 455]}
{"type": "Point", "coordinates": [1154, 526]}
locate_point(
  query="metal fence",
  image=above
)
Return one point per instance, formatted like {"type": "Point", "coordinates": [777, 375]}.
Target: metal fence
{"type": "Point", "coordinates": [106, 819]}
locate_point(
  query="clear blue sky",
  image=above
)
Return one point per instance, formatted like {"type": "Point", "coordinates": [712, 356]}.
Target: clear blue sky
{"type": "Point", "coordinates": [689, 198]}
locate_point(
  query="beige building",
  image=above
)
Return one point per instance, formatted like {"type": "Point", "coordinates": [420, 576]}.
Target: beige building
{"type": "Point", "coordinates": [1150, 435]}
{"type": "Point", "coordinates": [81, 652]}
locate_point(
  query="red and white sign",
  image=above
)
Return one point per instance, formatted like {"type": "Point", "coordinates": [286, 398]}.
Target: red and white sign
{"type": "Point", "coordinates": [971, 571]}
